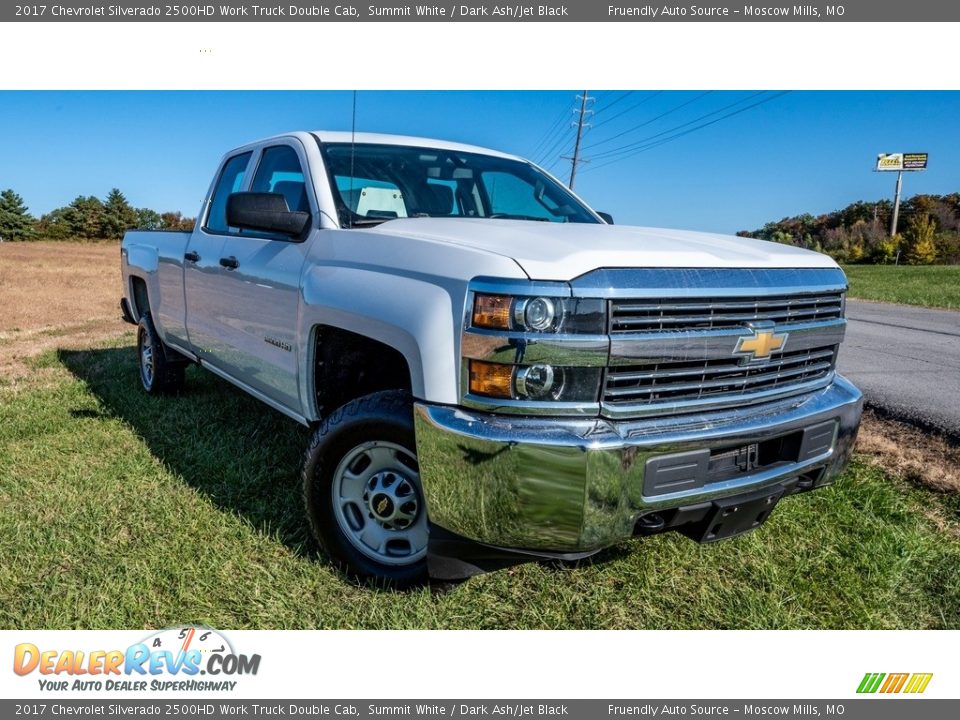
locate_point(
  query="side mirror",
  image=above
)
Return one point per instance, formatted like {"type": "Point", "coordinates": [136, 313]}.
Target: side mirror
{"type": "Point", "coordinates": [267, 212]}
{"type": "Point", "coordinates": [606, 217]}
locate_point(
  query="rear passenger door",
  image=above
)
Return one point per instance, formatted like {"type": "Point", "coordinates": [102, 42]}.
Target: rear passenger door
{"type": "Point", "coordinates": [259, 284]}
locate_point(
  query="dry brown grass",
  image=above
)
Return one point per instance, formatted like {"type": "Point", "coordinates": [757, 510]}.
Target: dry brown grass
{"type": "Point", "coordinates": [920, 457]}
{"type": "Point", "coordinates": [55, 294]}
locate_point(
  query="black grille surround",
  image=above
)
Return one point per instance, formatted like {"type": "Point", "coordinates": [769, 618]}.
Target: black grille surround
{"type": "Point", "coordinates": [680, 314]}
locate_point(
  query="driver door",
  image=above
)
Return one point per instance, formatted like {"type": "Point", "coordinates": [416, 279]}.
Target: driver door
{"type": "Point", "coordinates": [259, 281]}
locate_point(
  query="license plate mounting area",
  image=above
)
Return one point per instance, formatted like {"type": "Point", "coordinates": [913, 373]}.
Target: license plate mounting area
{"type": "Point", "coordinates": [734, 516]}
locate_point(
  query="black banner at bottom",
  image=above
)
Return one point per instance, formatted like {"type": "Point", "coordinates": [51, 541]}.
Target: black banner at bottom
{"type": "Point", "coordinates": [873, 708]}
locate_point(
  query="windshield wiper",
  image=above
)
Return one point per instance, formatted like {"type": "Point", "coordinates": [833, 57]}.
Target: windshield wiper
{"type": "Point", "coordinates": [367, 222]}
{"type": "Point", "coordinates": [509, 216]}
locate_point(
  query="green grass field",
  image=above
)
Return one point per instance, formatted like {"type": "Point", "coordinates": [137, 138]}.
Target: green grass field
{"type": "Point", "coordinates": [118, 510]}
{"type": "Point", "coordinates": [928, 285]}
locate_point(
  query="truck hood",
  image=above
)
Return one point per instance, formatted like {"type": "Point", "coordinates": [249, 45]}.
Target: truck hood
{"type": "Point", "coordinates": [553, 251]}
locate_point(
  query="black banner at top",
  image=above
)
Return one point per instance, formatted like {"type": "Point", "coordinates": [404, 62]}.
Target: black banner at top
{"type": "Point", "coordinates": [482, 11]}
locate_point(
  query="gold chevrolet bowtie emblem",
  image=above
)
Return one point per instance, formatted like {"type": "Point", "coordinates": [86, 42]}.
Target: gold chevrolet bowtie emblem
{"type": "Point", "coordinates": [760, 344]}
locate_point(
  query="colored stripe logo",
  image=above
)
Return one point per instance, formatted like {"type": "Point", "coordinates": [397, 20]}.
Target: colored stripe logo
{"type": "Point", "coordinates": [913, 683]}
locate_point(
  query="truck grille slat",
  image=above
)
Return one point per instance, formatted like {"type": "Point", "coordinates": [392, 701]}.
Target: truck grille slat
{"type": "Point", "coordinates": [647, 384]}
{"type": "Point", "coordinates": [714, 313]}
{"type": "Point", "coordinates": [721, 366]}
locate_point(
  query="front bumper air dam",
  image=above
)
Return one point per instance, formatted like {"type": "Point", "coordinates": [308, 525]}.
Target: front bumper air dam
{"type": "Point", "coordinates": [568, 487]}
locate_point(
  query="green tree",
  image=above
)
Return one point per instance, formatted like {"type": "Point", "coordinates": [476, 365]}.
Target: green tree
{"type": "Point", "coordinates": [921, 241]}
{"type": "Point", "coordinates": [176, 221]}
{"type": "Point", "coordinates": [148, 219]}
{"type": "Point", "coordinates": [54, 225]}
{"type": "Point", "coordinates": [16, 223]}
{"type": "Point", "coordinates": [859, 232]}
{"type": "Point", "coordinates": [84, 217]}
{"type": "Point", "coordinates": [118, 216]}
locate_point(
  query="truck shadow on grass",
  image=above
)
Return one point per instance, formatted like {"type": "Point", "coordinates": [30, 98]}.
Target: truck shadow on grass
{"type": "Point", "coordinates": [241, 455]}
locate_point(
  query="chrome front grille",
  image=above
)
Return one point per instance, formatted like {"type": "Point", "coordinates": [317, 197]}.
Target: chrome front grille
{"type": "Point", "coordinates": [677, 382]}
{"type": "Point", "coordinates": [679, 314]}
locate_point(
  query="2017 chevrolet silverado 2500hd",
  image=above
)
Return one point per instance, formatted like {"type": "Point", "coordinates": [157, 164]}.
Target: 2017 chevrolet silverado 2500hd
{"type": "Point", "coordinates": [492, 369]}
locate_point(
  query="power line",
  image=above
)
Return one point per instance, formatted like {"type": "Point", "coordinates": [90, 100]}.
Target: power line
{"type": "Point", "coordinates": [549, 153]}
{"type": "Point", "coordinates": [664, 141]}
{"type": "Point", "coordinates": [633, 107]}
{"type": "Point", "coordinates": [558, 142]}
{"type": "Point", "coordinates": [636, 143]}
{"type": "Point", "coordinates": [557, 125]}
{"type": "Point", "coordinates": [609, 105]}
{"type": "Point", "coordinates": [552, 167]}
{"type": "Point", "coordinates": [651, 120]}
{"type": "Point", "coordinates": [559, 138]}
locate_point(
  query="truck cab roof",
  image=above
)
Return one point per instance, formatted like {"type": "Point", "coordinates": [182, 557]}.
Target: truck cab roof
{"type": "Point", "coordinates": [345, 136]}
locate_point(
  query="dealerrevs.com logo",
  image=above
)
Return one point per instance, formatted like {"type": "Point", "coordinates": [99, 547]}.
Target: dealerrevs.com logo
{"type": "Point", "coordinates": [178, 659]}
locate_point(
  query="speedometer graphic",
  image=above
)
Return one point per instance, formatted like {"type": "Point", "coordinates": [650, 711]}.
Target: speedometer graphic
{"type": "Point", "coordinates": [183, 639]}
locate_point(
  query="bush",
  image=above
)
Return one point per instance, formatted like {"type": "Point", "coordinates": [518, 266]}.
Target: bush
{"type": "Point", "coordinates": [921, 246]}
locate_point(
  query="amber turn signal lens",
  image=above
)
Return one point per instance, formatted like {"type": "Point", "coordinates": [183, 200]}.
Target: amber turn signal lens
{"type": "Point", "coordinates": [491, 379]}
{"type": "Point", "coordinates": [492, 311]}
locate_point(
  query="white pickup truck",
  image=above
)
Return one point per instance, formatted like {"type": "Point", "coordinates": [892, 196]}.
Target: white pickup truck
{"type": "Point", "coordinates": [492, 370]}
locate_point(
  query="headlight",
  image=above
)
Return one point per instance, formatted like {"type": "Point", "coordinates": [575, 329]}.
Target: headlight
{"type": "Point", "coordinates": [537, 382]}
{"type": "Point", "coordinates": [534, 382]}
{"type": "Point", "coordinates": [538, 314]}
{"type": "Point", "coordinates": [535, 314]}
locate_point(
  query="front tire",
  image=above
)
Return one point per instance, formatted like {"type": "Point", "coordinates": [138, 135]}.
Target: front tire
{"type": "Point", "coordinates": [160, 373]}
{"type": "Point", "coordinates": [361, 487]}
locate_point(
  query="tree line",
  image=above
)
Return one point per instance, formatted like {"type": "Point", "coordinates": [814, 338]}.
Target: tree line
{"type": "Point", "coordinates": [928, 231]}
{"type": "Point", "coordinates": [86, 218]}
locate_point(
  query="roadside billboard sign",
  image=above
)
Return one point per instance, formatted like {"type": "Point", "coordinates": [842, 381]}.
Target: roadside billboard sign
{"type": "Point", "coordinates": [900, 162]}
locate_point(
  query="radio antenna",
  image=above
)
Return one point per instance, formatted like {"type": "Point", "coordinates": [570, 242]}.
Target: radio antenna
{"type": "Point", "coordinates": [353, 145]}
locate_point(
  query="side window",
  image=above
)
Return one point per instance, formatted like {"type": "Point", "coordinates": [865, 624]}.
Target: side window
{"type": "Point", "coordinates": [280, 172]}
{"type": "Point", "coordinates": [231, 180]}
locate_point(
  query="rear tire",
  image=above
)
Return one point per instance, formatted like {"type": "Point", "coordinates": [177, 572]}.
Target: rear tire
{"type": "Point", "coordinates": [161, 369]}
{"type": "Point", "coordinates": [361, 488]}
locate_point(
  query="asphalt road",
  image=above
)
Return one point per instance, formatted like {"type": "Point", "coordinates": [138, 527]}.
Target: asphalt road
{"type": "Point", "coordinates": [906, 360]}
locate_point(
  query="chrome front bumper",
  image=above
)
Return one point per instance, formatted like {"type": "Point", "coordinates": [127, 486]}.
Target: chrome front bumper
{"type": "Point", "coordinates": [576, 485]}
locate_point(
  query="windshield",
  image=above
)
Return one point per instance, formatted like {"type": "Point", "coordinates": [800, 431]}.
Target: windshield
{"type": "Point", "coordinates": [376, 183]}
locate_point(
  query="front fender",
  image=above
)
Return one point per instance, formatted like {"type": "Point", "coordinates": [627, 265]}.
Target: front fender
{"type": "Point", "coordinates": [417, 316]}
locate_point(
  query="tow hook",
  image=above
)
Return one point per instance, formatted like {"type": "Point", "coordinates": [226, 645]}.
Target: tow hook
{"type": "Point", "coordinates": [650, 524]}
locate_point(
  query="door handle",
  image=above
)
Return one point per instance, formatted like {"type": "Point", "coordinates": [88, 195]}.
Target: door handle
{"type": "Point", "coordinates": [192, 256]}
{"type": "Point", "coordinates": [230, 263]}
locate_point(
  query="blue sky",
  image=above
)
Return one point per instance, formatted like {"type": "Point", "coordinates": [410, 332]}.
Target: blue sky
{"type": "Point", "coordinates": [797, 152]}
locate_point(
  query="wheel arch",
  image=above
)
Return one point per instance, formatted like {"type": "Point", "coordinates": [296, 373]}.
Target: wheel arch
{"type": "Point", "coordinates": [141, 265]}
{"type": "Point", "coordinates": [411, 316]}
{"type": "Point", "coordinates": [347, 365]}
{"type": "Point", "coordinates": [139, 297]}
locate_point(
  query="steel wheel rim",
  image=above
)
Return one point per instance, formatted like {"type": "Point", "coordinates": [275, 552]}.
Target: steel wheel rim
{"type": "Point", "coordinates": [146, 361]}
{"type": "Point", "coordinates": [378, 503]}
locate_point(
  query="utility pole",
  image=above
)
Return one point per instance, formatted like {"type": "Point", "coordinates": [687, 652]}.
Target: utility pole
{"type": "Point", "coordinates": [896, 205]}
{"type": "Point", "coordinates": [581, 124]}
